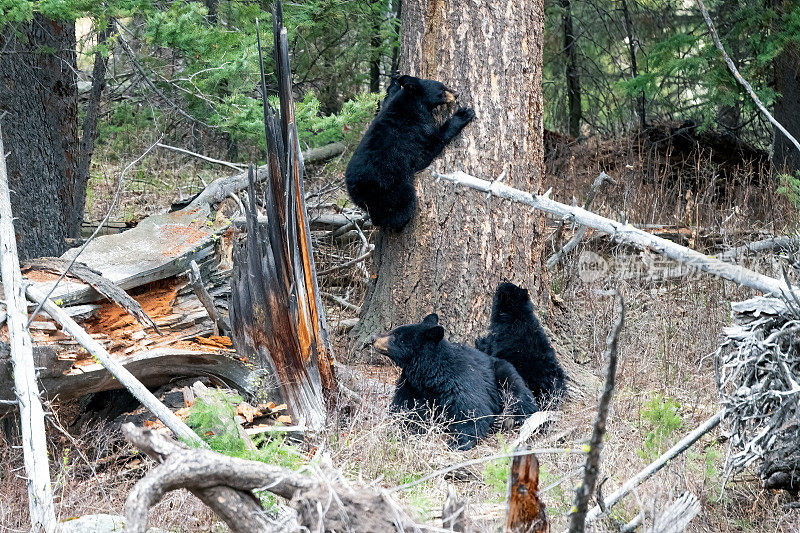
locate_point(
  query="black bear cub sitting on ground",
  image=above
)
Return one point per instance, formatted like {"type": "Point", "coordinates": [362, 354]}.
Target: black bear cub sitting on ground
{"type": "Point", "coordinates": [402, 140]}
{"type": "Point", "coordinates": [466, 387]}
{"type": "Point", "coordinates": [516, 336]}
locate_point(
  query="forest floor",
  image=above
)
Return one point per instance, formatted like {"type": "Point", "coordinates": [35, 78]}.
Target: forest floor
{"type": "Point", "coordinates": [665, 387]}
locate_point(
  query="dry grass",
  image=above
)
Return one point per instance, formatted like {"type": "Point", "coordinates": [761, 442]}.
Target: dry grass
{"type": "Point", "coordinates": [671, 329]}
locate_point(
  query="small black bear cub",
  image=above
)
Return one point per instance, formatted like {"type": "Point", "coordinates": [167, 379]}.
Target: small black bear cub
{"type": "Point", "coordinates": [402, 140]}
{"type": "Point", "coordinates": [465, 386]}
{"type": "Point", "coordinates": [516, 336]}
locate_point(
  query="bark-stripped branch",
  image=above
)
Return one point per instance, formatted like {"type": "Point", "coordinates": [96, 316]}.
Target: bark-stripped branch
{"type": "Point", "coordinates": [625, 233]}
{"type": "Point", "coordinates": [139, 391]}
{"type": "Point", "coordinates": [592, 467]}
{"type": "Point", "coordinates": [741, 79]}
{"type": "Point", "coordinates": [31, 413]}
{"type": "Point", "coordinates": [554, 259]}
{"type": "Point", "coordinates": [656, 465]}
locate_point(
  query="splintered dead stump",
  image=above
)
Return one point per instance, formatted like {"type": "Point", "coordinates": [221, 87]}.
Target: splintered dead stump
{"type": "Point", "coordinates": [526, 511]}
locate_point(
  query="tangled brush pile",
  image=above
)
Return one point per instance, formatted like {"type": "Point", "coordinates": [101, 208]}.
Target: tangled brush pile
{"type": "Point", "coordinates": [758, 376]}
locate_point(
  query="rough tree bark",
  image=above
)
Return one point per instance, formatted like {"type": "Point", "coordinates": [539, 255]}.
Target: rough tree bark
{"type": "Point", "coordinates": [451, 256]}
{"type": "Point", "coordinates": [38, 90]}
{"type": "Point", "coordinates": [787, 107]}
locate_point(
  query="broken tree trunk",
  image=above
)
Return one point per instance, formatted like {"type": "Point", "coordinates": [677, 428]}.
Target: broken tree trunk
{"type": "Point", "coordinates": [277, 318]}
{"type": "Point", "coordinates": [34, 439]}
{"type": "Point", "coordinates": [526, 510]}
{"type": "Point", "coordinates": [625, 233]}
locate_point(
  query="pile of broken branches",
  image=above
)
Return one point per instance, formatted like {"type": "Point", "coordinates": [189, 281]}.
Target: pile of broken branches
{"type": "Point", "coordinates": [757, 371]}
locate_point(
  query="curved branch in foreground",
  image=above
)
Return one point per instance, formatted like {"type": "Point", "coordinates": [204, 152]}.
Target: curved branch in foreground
{"type": "Point", "coordinates": [225, 484]}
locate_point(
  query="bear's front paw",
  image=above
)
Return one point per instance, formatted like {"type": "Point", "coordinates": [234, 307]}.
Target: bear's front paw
{"type": "Point", "coordinates": [464, 114]}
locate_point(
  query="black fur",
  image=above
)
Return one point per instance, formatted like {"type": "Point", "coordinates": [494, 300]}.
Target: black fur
{"type": "Point", "coordinates": [462, 384]}
{"type": "Point", "coordinates": [516, 336]}
{"type": "Point", "coordinates": [402, 140]}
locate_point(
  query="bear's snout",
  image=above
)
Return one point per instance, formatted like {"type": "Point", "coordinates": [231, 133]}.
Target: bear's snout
{"type": "Point", "coordinates": [381, 343]}
{"type": "Point", "coordinates": [450, 95]}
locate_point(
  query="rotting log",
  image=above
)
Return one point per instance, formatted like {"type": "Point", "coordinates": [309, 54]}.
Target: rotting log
{"type": "Point", "coordinates": [123, 375]}
{"type": "Point", "coordinates": [102, 285]}
{"type": "Point", "coordinates": [624, 233]}
{"type": "Point", "coordinates": [31, 413]}
{"type": "Point", "coordinates": [159, 247]}
{"type": "Point", "coordinates": [526, 510]}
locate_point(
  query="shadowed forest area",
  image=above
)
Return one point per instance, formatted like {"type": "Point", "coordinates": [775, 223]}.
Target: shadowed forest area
{"type": "Point", "coordinates": [193, 304]}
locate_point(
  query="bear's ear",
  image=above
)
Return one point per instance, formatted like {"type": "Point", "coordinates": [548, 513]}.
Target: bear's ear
{"type": "Point", "coordinates": [409, 83]}
{"type": "Point", "coordinates": [435, 334]}
{"type": "Point", "coordinates": [432, 318]}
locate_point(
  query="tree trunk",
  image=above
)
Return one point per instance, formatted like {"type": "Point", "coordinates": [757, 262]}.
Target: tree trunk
{"type": "Point", "coordinates": [90, 123]}
{"type": "Point", "coordinates": [459, 245]}
{"type": "Point", "coordinates": [632, 44]}
{"type": "Point", "coordinates": [573, 77]}
{"type": "Point", "coordinates": [38, 90]}
{"type": "Point", "coordinates": [787, 108]}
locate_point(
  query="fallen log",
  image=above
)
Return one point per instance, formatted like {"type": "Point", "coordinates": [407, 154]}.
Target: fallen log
{"type": "Point", "coordinates": [220, 188]}
{"type": "Point", "coordinates": [124, 376]}
{"type": "Point", "coordinates": [624, 233]}
{"type": "Point", "coordinates": [26, 390]}
{"type": "Point", "coordinates": [102, 285]}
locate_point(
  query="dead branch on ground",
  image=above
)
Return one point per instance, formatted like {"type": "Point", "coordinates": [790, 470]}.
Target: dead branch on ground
{"type": "Point", "coordinates": [34, 438]}
{"type": "Point", "coordinates": [321, 503]}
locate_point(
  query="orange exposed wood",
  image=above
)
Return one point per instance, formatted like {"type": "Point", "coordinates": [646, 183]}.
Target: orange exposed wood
{"type": "Point", "coordinates": [526, 511]}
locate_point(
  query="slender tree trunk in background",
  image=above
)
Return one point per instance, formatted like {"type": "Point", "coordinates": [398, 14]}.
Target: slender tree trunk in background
{"type": "Point", "coordinates": [460, 244]}
{"type": "Point", "coordinates": [38, 90]}
{"type": "Point", "coordinates": [573, 77]}
{"type": "Point", "coordinates": [729, 115]}
{"type": "Point", "coordinates": [375, 50]}
{"type": "Point", "coordinates": [212, 5]}
{"type": "Point", "coordinates": [396, 48]}
{"type": "Point", "coordinates": [632, 42]}
{"type": "Point", "coordinates": [89, 135]}
{"type": "Point", "coordinates": [787, 108]}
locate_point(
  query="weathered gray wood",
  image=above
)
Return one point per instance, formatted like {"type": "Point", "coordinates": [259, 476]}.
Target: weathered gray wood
{"type": "Point", "coordinates": [122, 374]}
{"type": "Point", "coordinates": [656, 465]}
{"type": "Point", "coordinates": [205, 298]}
{"type": "Point", "coordinates": [625, 233]}
{"type": "Point", "coordinates": [160, 246]}
{"type": "Point", "coordinates": [554, 259]}
{"type": "Point", "coordinates": [677, 516]}
{"type": "Point", "coordinates": [34, 438]}
{"type": "Point", "coordinates": [220, 188]}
